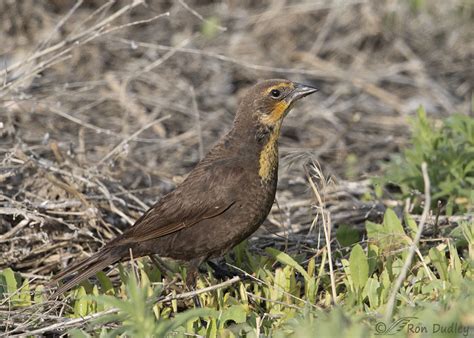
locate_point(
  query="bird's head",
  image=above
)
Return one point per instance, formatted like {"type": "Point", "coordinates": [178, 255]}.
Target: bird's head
{"type": "Point", "coordinates": [268, 102]}
{"type": "Point", "coordinates": [260, 115]}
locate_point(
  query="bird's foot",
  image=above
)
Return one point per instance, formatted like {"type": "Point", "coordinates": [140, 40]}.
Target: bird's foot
{"type": "Point", "coordinates": [222, 271]}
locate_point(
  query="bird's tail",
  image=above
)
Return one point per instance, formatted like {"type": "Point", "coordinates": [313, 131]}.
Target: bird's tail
{"type": "Point", "coordinates": [86, 268]}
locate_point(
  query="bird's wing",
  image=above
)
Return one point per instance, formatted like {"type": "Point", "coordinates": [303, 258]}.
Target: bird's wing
{"type": "Point", "coordinates": [161, 221]}
{"type": "Point", "coordinates": [208, 192]}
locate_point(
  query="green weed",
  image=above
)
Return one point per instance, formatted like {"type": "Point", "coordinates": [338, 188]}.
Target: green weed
{"type": "Point", "coordinates": [448, 149]}
{"type": "Point", "coordinates": [289, 295]}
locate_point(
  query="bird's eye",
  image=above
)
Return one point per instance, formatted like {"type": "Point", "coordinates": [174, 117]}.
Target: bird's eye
{"type": "Point", "coordinates": [275, 93]}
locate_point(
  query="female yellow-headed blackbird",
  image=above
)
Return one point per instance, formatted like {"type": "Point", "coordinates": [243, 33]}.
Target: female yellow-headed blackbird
{"type": "Point", "coordinates": [224, 199]}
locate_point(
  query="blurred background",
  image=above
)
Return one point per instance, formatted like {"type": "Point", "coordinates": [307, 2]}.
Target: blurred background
{"type": "Point", "coordinates": [105, 106]}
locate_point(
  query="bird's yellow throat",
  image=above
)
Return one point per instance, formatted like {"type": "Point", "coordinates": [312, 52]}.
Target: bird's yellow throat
{"type": "Point", "coordinates": [269, 155]}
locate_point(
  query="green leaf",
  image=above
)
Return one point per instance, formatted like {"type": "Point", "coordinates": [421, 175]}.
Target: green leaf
{"type": "Point", "coordinates": [311, 266]}
{"type": "Point", "coordinates": [39, 296]}
{"type": "Point", "coordinates": [392, 222]}
{"type": "Point", "coordinates": [371, 290]}
{"type": "Point", "coordinates": [347, 235]}
{"type": "Point", "coordinates": [105, 282]}
{"type": "Point", "coordinates": [280, 283]}
{"type": "Point", "coordinates": [375, 231]}
{"type": "Point", "coordinates": [80, 305]}
{"type": "Point", "coordinates": [438, 259]}
{"type": "Point", "coordinates": [359, 267]}
{"type": "Point", "coordinates": [372, 258]}
{"type": "Point", "coordinates": [348, 275]}
{"type": "Point", "coordinates": [455, 267]}
{"type": "Point", "coordinates": [396, 266]}
{"type": "Point", "coordinates": [212, 328]}
{"type": "Point", "coordinates": [235, 313]}
{"type": "Point", "coordinates": [24, 296]}
{"type": "Point", "coordinates": [411, 225]}
{"type": "Point", "coordinates": [385, 286]}
{"type": "Point", "coordinates": [286, 259]}
{"type": "Point", "coordinates": [10, 281]}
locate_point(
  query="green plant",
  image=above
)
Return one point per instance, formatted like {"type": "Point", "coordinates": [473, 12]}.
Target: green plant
{"type": "Point", "coordinates": [288, 294]}
{"type": "Point", "coordinates": [448, 149]}
{"type": "Point", "coordinates": [136, 313]}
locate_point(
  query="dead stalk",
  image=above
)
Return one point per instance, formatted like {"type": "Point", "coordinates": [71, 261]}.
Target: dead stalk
{"type": "Point", "coordinates": [326, 218]}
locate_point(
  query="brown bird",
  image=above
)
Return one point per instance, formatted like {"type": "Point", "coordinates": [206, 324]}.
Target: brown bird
{"type": "Point", "coordinates": [224, 199]}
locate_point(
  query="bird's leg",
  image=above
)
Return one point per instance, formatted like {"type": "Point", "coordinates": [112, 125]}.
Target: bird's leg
{"type": "Point", "coordinates": [193, 271]}
{"type": "Point", "coordinates": [197, 302]}
{"type": "Point", "coordinates": [191, 278]}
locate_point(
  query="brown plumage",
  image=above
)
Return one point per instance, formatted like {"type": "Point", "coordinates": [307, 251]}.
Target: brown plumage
{"type": "Point", "coordinates": [224, 199]}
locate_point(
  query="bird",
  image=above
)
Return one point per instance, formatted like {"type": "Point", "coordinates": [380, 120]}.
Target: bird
{"type": "Point", "coordinates": [222, 201]}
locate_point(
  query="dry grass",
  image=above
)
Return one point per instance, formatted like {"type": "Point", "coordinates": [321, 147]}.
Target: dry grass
{"type": "Point", "coordinates": [106, 106]}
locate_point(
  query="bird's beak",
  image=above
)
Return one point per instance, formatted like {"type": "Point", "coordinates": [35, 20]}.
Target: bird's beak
{"type": "Point", "coordinates": [299, 92]}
